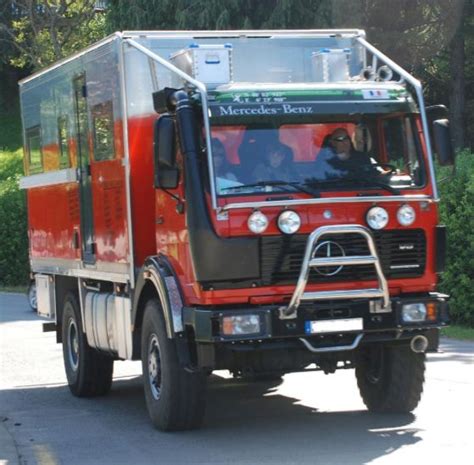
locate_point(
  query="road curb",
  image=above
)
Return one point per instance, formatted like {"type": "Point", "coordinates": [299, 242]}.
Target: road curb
{"type": "Point", "coordinates": [8, 450]}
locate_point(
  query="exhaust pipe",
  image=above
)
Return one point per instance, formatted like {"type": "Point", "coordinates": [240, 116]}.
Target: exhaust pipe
{"type": "Point", "coordinates": [419, 344]}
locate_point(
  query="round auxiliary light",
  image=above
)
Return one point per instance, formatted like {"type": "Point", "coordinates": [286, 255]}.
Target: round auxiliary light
{"type": "Point", "coordinates": [406, 215]}
{"type": "Point", "coordinates": [377, 218]}
{"type": "Point", "coordinates": [289, 222]}
{"type": "Point", "coordinates": [257, 222]}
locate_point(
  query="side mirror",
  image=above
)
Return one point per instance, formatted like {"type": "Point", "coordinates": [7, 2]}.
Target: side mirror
{"type": "Point", "coordinates": [164, 147]}
{"type": "Point", "coordinates": [442, 142]}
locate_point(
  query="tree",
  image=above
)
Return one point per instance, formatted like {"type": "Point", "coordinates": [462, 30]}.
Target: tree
{"type": "Point", "coordinates": [426, 37]}
{"type": "Point", "coordinates": [457, 87]}
{"type": "Point", "coordinates": [217, 14]}
{"type": "Point", "coordinates": [409, 31]}
{"type": "Point", "coordinates": [42, 32]}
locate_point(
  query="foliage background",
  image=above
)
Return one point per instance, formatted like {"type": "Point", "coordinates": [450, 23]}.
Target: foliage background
{"type": "Point", "coordinates": [434, 39]}
{"type": "Point", "coordinates": [14, 268]}
{"type": "Point", "coordinates": [457, 213]}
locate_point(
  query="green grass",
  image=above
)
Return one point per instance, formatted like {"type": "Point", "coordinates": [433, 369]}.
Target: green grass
{"type": "Point", "coordinates": [14, 289]}
{"type": "Point", "coordinates": [458, 332]}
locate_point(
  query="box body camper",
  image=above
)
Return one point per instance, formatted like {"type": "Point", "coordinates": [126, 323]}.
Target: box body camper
{"type": "Point", "coordinates": [257, 201]}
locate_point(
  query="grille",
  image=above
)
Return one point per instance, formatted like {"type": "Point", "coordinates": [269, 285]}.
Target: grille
{"type": "Point", "coordinates": [402, 255]}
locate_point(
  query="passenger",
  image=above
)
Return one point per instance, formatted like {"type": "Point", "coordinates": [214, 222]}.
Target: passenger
{"type": "Point", "coordinates": [221, 165]}
{"type": "Point", "coordinates": [340, 159]}
{"type": "Point", "coordinates": [277, 165]}
{"type": "Point", "coordinates": [222, 171]}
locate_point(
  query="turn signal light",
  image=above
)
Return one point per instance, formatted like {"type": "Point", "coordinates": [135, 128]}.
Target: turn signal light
{"type": "Point", "coordinates": [431, 311]}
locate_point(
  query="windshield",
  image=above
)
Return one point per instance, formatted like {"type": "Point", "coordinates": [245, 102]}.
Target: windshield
{"type": "Point", "coordinates": [379, 153]}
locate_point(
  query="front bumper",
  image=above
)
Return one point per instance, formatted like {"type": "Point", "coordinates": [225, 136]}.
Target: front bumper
{"type": "Point", "coordinates": [376, 325]}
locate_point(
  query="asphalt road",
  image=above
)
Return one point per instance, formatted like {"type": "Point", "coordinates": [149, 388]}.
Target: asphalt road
{"type": "Point", "coordinates": [310, 418]}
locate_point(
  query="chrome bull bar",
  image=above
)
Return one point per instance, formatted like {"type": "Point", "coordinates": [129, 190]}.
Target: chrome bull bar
{"type": "Point", "coordinates": [309, 262]}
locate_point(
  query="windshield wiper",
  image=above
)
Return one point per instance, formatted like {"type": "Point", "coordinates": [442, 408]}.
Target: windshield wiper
{"type": "Point", "coordinates": [373, 183]}
{"type": "Point", "coordinates": [359, 181]}
{"type": "Point", "coordinates": [296, 185]}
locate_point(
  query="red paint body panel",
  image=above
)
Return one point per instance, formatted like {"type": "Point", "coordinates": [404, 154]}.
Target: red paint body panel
{"type": "Point", "coordinates": [312, 218]}
{"type": "Point", "coordinates": [110, 211]}
{"type": "Point", "coordinates": [53, 217]}
{"type": "Point", "coordinates": [110, 204]}
{"type": "Point", "coordinates": [140, 135]}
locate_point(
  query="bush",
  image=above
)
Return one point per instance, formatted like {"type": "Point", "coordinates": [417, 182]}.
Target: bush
{"type": "Point", "coordinates": [457, 213]}
{"type": "Point", "coordinates": [14, 266]}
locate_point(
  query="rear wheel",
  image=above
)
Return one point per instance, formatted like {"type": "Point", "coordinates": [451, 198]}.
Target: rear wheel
{"type": "Point", "coordinates": [32, 298]}
{"type": "Point", "coordinates": [390, 378]}
{"type": "Point", "coordinates": [175, 398]}
{"type": "Point", "coordinates": [88, 371]}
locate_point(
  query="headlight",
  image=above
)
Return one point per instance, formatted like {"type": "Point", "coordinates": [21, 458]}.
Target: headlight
{"type": "Point", "coordinates": [240, 325]}
{"type": "Point", "coordinates": [257, 222]}
{"type": "Point", "coordinates": [377, 218]}
{"type": "Point", "coordinates": [406, 215]}
{"type": "Point", "coordinates": [413, 313]}
{"type": "Point", "coordinates": [289, 222]}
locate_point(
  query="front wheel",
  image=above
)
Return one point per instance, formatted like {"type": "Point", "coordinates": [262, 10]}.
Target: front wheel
{"type": "Point", "coordinates": [175, 398]}
{"type": "Point", "coordinates": [390, 378]}
{"type": "Point", "coordinates": [88, 371]}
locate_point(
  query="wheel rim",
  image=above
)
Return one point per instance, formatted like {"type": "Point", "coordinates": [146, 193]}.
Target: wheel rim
{"type": "Point", "coordinates": [73, 345]}
{"type": "Point", "coordinates": [154, 366]}
{"type": "Point", "coordinates": [32, 296]}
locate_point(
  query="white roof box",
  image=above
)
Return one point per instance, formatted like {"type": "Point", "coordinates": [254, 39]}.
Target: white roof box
{"type": "Point", "coordinates": [209, 64]}
{"type": "Point", "coordinates": [331, 64]}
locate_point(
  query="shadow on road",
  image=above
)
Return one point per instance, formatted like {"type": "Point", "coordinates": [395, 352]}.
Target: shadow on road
{"type": "Point", "coordinates": [11, 310]}
{"type": "Point", "coordinates": [245, 423]}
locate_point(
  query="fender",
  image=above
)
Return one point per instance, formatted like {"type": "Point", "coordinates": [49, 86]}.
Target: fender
{"type": "Point", "coordinates": [158, 271]}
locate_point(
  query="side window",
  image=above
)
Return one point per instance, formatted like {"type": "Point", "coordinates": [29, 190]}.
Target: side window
{"type": "Point", "coordinates": [34, 152]}
{"type": "Point", "coordinates": [395, 142]}
{"type": "Point", "coordinates": [103, 131]}
{"type": "Point", "coordinates": [403, 148]}
{"type": "Point", "coordinates": [63, 135]}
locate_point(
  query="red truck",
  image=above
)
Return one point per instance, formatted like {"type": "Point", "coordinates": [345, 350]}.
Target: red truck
{"type": "Point", "coordinates": [257, 201]}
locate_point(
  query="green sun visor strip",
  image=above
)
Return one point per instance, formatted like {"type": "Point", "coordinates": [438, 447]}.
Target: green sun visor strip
{"type": "Point", "coordinates": [309, 102]}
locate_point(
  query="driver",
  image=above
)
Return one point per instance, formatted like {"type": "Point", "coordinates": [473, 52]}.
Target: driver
{"type": "Point", "coordinates": [340, 158]}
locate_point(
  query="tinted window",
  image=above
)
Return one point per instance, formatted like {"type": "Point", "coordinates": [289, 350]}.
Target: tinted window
{"type": "Point", "coordinates": [63, 135]}
{"type": "Point", "coordinates": [103, 126]}
{"type": "Point", "coordinates": [35, 157]}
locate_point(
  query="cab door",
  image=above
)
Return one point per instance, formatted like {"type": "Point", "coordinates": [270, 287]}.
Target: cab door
{"type": "Point", "coordinates": [84, 165]}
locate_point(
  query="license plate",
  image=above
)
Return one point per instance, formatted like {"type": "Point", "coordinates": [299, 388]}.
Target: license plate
{"type": "Point", "coordinates": [334, 326]}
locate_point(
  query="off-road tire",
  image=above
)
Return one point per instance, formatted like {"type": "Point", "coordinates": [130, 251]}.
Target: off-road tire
{"type": "Point", "coordinates": [175, 398]}
{"type": "Point", "coordinates": [88, 371]}
{"type": "Point", "coordinates": [32, 296]}
{"type": "Point", "coordinates": [390, 378]}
